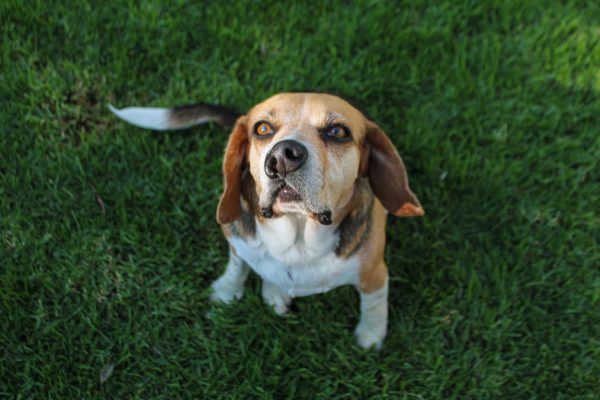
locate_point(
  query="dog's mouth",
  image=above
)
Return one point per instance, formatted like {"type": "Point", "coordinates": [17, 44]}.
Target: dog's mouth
{"type": "Point", "coordinates": [287, 194]}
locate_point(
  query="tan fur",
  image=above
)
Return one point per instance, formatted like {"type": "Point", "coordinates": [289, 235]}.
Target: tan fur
{"type": "Point", "coordinates": [373, 272]}
{"type": "Point", "coordinates": [226, 229]}
{"type": "Point", "coordinates": [387, 175]}
{"type": "Point", "coordinates": [229, 208]}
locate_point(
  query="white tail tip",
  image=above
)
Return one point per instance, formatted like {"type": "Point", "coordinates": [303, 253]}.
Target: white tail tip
{"type": "Point", "coordinates": [144, 117]}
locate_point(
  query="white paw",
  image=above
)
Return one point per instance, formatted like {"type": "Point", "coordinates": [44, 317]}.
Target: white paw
{"type": "Point", "coordinates": [276, 298]}
{"type": "Point", "coordinates": [370, 336]}
{"type": "Point", "coordinates": [225, 292]}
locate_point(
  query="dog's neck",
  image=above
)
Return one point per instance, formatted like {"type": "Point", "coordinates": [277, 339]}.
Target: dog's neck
{"type": "Point", "coordinates": [351, 223]}
{"type": "Point", "coordinates": [297, 233]}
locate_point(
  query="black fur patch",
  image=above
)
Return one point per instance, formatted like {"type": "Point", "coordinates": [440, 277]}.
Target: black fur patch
{"type": "Point", "coordinates": [192, 112]}
{"type": "Point", "coordinates": [246, 224]}
{"type": "Point", "coordinates": [359, 219]}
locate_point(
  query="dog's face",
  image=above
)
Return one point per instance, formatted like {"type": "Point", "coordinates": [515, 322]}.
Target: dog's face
{"type": "Point", "coordinates": [305, 152]}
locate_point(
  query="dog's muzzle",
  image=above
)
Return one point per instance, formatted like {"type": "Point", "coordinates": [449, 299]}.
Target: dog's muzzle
{"type": "Point", "coordinates": [285, 157]}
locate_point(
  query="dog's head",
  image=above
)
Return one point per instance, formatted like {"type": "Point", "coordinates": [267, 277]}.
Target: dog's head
{"type": "Point", "coordinates": [305, 152]}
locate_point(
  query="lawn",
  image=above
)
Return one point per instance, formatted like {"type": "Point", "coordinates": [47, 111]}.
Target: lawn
{"type": "Point", "coordinates": [108, 238]}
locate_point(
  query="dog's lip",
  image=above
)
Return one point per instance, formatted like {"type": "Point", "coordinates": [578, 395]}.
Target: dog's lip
{"type": "Point", "coordinates": [288, 194]}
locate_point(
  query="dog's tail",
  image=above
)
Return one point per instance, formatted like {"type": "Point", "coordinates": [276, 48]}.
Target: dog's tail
{"type": "Point", "coordinates": [181, 117]}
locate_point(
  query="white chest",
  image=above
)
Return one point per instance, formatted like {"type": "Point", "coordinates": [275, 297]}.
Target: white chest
{"type": "Point", "coordinates": [297, 255]}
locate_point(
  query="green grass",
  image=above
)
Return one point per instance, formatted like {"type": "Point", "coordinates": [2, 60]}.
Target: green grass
{"type": "Point", "coordinates": [108, 240]}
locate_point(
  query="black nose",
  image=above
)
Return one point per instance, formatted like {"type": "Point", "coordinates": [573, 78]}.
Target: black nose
{"type": "Point", "coordinates": [285, 157]}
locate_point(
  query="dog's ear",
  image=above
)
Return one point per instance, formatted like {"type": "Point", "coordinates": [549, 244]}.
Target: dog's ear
{"type": "Point", "coordinates": [387, 175]}
{"type": "Point", "coordinates": [230, 207]}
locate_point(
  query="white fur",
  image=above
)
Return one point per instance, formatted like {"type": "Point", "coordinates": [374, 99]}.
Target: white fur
{"type": "Point", "coordinates": [275, 297]}
{"type": "Point", "coordinates": [230, 285]}
{"type": "Point", "coordinates": [151, 118]}
{"type": "Point", "coordinates": [372, 328]}
{"type": "Point", "coordinates": [144, 117]}
{"type": "Point", "coordinates": [297, 255]}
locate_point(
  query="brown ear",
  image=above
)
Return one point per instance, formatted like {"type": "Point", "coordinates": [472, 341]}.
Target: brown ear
{"type": "Point", "coordinates": [230, 207]}
{"type": "Point", "coordinates": [387, 174]}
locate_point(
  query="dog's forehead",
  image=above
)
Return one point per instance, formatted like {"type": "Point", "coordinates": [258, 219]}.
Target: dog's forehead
{"type": "Point", "coordinates": [315, 109]}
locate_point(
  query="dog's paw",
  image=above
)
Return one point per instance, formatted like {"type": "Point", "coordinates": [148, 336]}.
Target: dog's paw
{"type": "Point", "coordinates": [225, 293]}
{"type": "Point", "coordinates": [369, 336]}
{"type": "Point", "coordinates": [276, 298]}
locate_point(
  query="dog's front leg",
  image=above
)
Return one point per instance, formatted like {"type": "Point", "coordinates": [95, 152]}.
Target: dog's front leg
{"type": "Point", "coordinates": [276, 298]}
{"type": "Point", "coordinates": [230, 285]}
{"type": "Point", "coordinates": [372, 328]}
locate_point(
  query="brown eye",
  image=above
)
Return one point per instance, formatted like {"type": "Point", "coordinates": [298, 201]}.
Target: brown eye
{"type": "Point", "coordinates": [338, 133]}
{"type": "Point", "coordinates": [263, 129]}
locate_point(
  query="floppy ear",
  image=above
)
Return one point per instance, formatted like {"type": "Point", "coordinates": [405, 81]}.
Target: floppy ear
{"type": "Point", "coordinates": [230, 207]}
{"type": "Point", "coordinates": [387, 174]}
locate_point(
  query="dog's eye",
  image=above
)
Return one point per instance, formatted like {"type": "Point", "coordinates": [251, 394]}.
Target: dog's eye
{"type": "Point", "coordinates": [338, 133]}
{"type": "Point", "coordinates": [263, 129]}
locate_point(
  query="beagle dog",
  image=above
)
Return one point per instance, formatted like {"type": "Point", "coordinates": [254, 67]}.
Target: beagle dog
{"type": "Point", "coordinates": [308, 183]}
